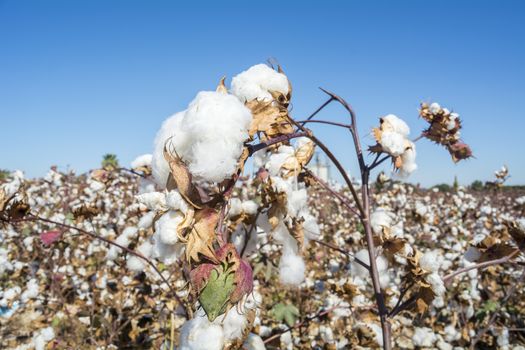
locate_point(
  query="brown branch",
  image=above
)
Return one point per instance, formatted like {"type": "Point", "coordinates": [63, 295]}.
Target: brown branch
{"type": "Point", "coordinates": [342, 251]}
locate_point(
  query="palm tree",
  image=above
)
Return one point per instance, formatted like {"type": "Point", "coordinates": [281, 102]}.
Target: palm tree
{"type": "Point", "coordinates": [110, 162]}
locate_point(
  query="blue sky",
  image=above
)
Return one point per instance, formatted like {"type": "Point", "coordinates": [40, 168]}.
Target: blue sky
{"type": "Point", "coordinates": [79, 79]}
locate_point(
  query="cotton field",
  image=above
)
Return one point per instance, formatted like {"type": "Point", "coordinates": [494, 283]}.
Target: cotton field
{"type": "Point", "coordinates": [185, 248]}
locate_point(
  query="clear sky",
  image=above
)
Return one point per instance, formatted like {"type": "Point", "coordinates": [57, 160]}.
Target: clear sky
{"type": "Point", "coordinates": [79, 79]}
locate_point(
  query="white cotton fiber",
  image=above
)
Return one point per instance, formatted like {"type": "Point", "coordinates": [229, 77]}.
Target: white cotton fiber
{"type": "Point", "coordinates": [257, 82]}
{"type": "Point", "coordinates": [32, 290]}
{"type": "Point", "coordinates": [152, 200]}
{"type": "Point", "coordinates": [199, 334]}
{"type": "Point", "coordinates": [380, 219]}
{"type": "Point", "coordinates": [141, 161]}
{"type": "Point", "coordinates": [250, 207]}
{"type": "Point", "coordinates": [137, 264]}
{"type": "Point", "coordinates": [175, 201]}
{"type": "Point", "coordinates": [254, 342]}
{"type": "Point", "coordinates": [43, 337]}
{"type": "Point", "coordinates": [170, 134]}
{"type": "Point", "coordinates": [430, 261]}
{"type": "Point", "coordinates": [166, 226]}
{"type": "Point", "coordinates": [436, 283]}
{"type": "Point", "coordinates": [291, 269]}
{"type": "Point", "coordinates": [409, 160]}
{"type": "Point", "coordinates": [393, 142]}
{"type": "Point", "coordinates": [394, 123]}
{"type": "Point", "coordinates": [424, 337]}
{"type": "Point", "coordinates": [233, 324]}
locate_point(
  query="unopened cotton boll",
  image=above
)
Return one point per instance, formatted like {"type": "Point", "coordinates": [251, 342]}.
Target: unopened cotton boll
{"type": "Point", "coordinates": [291, 269]}
{"type": "Point", "coordinates": [257, 82]}
{"type": "Point", "coordinates": [166, 226]}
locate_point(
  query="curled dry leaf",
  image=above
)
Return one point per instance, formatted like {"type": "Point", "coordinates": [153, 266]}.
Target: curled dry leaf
{"type": "Point", "coordinates": [202, 234]}
{"type": "Point", "coordinates": [180, 178]}
{"type": "Point", "coordinates": [269, 118]}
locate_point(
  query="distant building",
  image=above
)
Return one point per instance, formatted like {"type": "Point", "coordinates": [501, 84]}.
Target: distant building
{"type": "Point", "coordinates": [320, 167]}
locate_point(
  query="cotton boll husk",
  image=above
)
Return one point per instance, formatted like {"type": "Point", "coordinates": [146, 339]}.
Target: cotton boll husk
{"type": "Point", "coordinates": [233, 324]}
{"type": "Point", "coordinates": [199, 334]}
{"type": "Point", "coordinates": [170, 130]}
{"type": "Point", "coordinates": [141, 161]}
{"type": "Point", "coordinates": [254, 342]}
{"type": "Point", "coordinates": [257, 81]}
{"type": "Point", "coordinates": [291, 269]}
{"type": "Point", "coordinates": [216, 125]}
{"type": "Point", "coordinates": [166, 226]}
{"type": "Point", "coordinates": [394, 123]}
{"type": "Point", "coordinates": [430, 261]}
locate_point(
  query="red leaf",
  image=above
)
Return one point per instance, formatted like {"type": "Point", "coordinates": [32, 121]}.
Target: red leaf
{"type": "Point", "coordinates": [50, 237]}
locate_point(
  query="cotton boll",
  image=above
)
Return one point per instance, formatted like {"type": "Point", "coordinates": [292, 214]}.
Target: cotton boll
{"type": "Point", "coordinates": [216, 125]}
{"type": "Point", "coordinates": [257, 82]}
{"type": "Point", "coordinates": [250, 207]}
{"type": "Point", "coordinates": [146, 220]}
{"type": "Point", "coordinates": [297, 201]}
{"type": "Point", "coordinates": [310, 226]}
{"type": "Point", "coordinates": [167, 253]}
{"type": "Point", "coordinates": [166, 226]}
{"type": "Point", "coordinates": [199, 334]}
{"type": "Point", "coordinates": [170, 132]}
{"type": "Point", "coordinates": [430, 261]}
{"type": "Point", "coordinates": [291, 269]}
{"type": "Point", "coordinates": [142, 161]}
{"type": "Point", "coordinates": [408, 159]}
{"type": "Point", "coordinates": [43, 337]}
{"type": "Point", "coordinates": [393, 143]}
{"type": "Point", "coordinates": [137, 264]}
{"type": "Point", "coordinates": [362, 272]}
{"type": "Point", "coordinates": [434, 108]}
{"type": "Point", "coordinates": [175, 201]}
{"type": "Point", "coordinates": [152, 200]}
{"type": "Point", "coordinates": [424, 337]}
{"type": "Point", "coordinates": [31, 292]}
{"type": "Point", "coordinates": [235, 207]}
{"type": "Point", "coordinates": [380, 219]}
{"type": "Point", "coordinates": [253, 342]}
{"type": "Point", "coordinates": [395, 124]}
{"type": "Point", "coordinates": [436, 283]}
{"type": "Point", "coordinates": [130, 232]}
{"type": "Point", "coordinates": [233, 324]}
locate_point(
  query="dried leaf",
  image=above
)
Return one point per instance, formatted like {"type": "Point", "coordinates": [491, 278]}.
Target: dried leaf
{"type": "Point", "coordinates": [202, 235]}
{"type": "Point", "coordinates": [180, 178]}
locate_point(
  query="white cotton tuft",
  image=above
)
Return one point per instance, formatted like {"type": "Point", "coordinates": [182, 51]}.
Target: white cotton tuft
{"type": "Point", "coordinates": [424, 337]}
{"type": "Point", "coordinates": [393, 143]}
{"type": "Point", "coordinates": [137, 264]}
{"type": "Point", "coordinates": [253, 342]}
{"type": "Point", "coordinates": [393, 123]}
{"type": "Point", "coordinates": [430, 261]}
{"type": "Point", "coordinates": [257, 82]}
{"type": "Point", "coordinates": [409, 161]}
{"type": "Point", "coordinates": [233, 324]}
{"type": "Point", "coordinates": [434, 108]}
{"type": "Point", "coordinates": [43, 337]}
{"type": "Point", "coordinates": [235, 207]}
{"type": "Point", "coordinates": [291, 269]}
{"type": "Point", "coordinates": [166, 226]}
{"type": "Point", "coordinates": [360, 271]}
{"type": "Point", "coordinates": [199, 334]}
{"type": "Point", "coordinates": [250, 207]}
{"type": "Point", "coordinates": [175, 201]}
{"type": "Point", "coordinates": [436, 283]}
{"type": "Point", "coordinates": [32, 290]}
{"type": "Point", "coordinates": [152, 200]}
{"type": "Point", "coordinates": [380, 219]}
{"type": "Point", "coordinates": [296, 202]}
{"type": "Point", "coordinates": [142, 161]}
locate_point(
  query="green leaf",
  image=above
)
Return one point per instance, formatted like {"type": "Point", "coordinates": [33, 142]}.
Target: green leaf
{"type": "Point", "coordinates": [285, 312]}
{"type": "Point", "coordinates": [216, 294]}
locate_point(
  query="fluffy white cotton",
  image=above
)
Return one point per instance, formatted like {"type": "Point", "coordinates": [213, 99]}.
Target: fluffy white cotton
{"type": "Point", "coordinates": [233, 324]}
{"type": "Point", "coordinates": [380, 219]}
{"type": "Point", "coordinates": [296, 202]}
{"type": "Point", "coordinates": [142, 161]}
{"type": "Point", "coordinates": [43, 337]}
{"type": "Point", "coordinates": [166, 226]}
{"type": "Point", "coordinates": [434, 108]}
{"type": "Point", "coordinates": [409, 160]}
{"type": "Point", "coordinates": [254, 342]}
{"type": "Point", "coordinates": [10, 188]}
{"type": "Point", "coordinates": [250, 207]}
{"type": "Point", "coordinates": [257, 82]}
{"type": "Point", "coordinates": [430, 261]}
{"type": "Point", "coordinates": [137, 264]}
{"type": "Point", "coordinates": [291, 269]}
{"type": "Point", "coordinates": [32, 290]}
{"type": "Point", "coordinates": [393, 123]}
{"type": "Point", "coordinates": [393, 143]}
{"type": "Point", "coordinates": [436, 283]}
{"type": "Point", "coordinates": [208, 137]}
{"type": "Point", "coordinates": [153, 200]}
{"type": "Point", "coordinates": [235, 207]}
{"type": "Point", "coordinates": [362, 272]}
{"type": "Point", "coordinates": [170, 135]}
{"type": "Point", "coordinates": [175, 201]}
{"type": "Point", "coordinates": [424, 337]}
{"type": "Point", "coordinates": [199, 334]}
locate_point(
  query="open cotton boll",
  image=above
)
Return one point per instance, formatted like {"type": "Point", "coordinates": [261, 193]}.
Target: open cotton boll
{"type": "Point", "coordinates": [114, 251]}
{"type": "Point", "coordinates": [409, 161]}
{"type": "Point", "coordinates": [233, 324]}
{"type": "Point", "coordinates": [424, 337]}
{"type": "Point", "coordinates": [310, 226]}
{"type": "Point", "coordinates": [360, 271]}
{"type": "Point", "coordinates": [31, 292]}
{"type": "Point", "coordinates": [199, 334]}
{"type": "Point", "coordinates": [235, 207]}
{"type": "Point", "coordinates": [137, 264]}
{"type": "Point", "coordinates": [257, 82]}
{"type": "Point", "coordinates": [430, 261]}
{"type": "Point", "coordinates": [167, 253]}
{"type": "Point", "coordinates": [141, 161]}
{"type": "Point", "coordinates": [175, 201]}
{"type": "Point", "coordinates": [393, 143]}
{"type": "Point", "coordinates": [170, 132]}
{"type": "Point", "coordinates": [291, 269]}
{"type": "Point", "coordinates": [436, 283]}
{"type": "Point", "coordinates": [296, 202]}
{"type": "Point", "coordinates": [153, 200]}
{"type": "Point", "coordinates": [393, 123]}
{"type": "Point", "coordinates": [380, 219]}
{"type": "Point", "coordinates": [250, 207]}
{"type": "Point", "coordinates": [166, 226]}
{"type": "Point", "coordinates": [43, 337]}
{"type": "Point", "coordinates": [253, 342]}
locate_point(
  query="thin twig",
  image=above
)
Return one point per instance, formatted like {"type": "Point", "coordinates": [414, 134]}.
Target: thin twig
{"type": "Point", "coordinates": [346, 126]}
{"type": "Point", "coordinates": [342, 251]}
